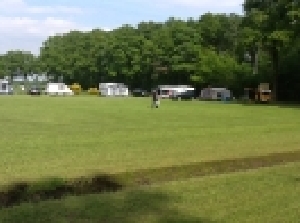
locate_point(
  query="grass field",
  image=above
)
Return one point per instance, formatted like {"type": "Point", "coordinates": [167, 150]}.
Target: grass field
{"type": "Point", "coordinates": [74, 136]}
{"type": "Point", "coordinates": [269, 195]}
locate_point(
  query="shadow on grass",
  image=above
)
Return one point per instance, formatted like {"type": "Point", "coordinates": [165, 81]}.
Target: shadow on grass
{"type": "Point", "coordinates": [57, 188]}
{"type": "Point", "coordinates": [214, 167]}
{"type": "Point", "coordinates": [126, 207]}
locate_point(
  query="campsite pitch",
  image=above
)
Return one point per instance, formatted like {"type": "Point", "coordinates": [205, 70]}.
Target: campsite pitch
{"type": "Point", "coordinates": [75, 136]}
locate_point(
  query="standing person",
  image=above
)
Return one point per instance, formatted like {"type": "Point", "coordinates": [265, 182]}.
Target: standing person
{"type": "Point", "coordinates": [155, 99]}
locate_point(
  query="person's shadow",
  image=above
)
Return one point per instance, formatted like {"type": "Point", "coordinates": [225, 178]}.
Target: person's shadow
{"type": "Point", "coordinates": [122, 207]}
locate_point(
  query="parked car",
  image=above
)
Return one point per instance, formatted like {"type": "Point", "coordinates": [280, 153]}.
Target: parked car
{"type": "Point", "coordinates": [183, 95]}
{"type": "Point", "coordinates": [35, 90]}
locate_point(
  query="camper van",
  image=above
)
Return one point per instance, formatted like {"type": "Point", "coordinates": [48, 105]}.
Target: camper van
{"type": "Point", "coordinates": [5, 87]}
{"type": "Point", "coordinates": [113, 89]}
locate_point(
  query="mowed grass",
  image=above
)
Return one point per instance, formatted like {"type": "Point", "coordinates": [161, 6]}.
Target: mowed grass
{"type": "Point", "coordinates": [269, 195]}
{"type": "Point", "coordinates": [75, 136]}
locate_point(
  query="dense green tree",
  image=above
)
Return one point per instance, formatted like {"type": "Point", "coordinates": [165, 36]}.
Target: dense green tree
{"type": "Point", "coordinates": [270, 26]}
{"type": "Point", "coordinates": [217, 49]}
{"type": "Point", "coordinates": [18, 62]}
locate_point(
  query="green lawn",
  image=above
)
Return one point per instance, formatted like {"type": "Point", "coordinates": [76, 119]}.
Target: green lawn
{"type": "Point", "coordinates": [74, 136]}
{"type": "Point", "coordinates": [269, 195]}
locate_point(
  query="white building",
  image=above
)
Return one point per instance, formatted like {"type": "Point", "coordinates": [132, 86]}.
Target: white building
{"type": "Point", "coordinates": [215, 93]}
{"type": "Point", "coordinates": [5, 87]}
{"type": "Point", "coordinates": [113, 89]}
{"type": "Point", "coordinates": [58, 89]}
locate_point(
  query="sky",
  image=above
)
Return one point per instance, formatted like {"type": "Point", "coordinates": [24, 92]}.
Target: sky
{"type": "Point", "coordinates": [26, 24]}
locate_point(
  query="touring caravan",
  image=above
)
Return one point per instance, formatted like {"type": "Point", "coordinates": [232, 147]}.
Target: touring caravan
{"type": "Point", "coordinates": [113, 89]}
{"type": "Point", "coordinates": [215, 94]}
{"type": "Point", "coordinates": [170, 91]}
{"type": "Point", "coordinates": [5, 87]}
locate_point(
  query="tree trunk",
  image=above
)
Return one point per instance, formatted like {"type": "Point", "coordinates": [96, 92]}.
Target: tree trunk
{"type": "Point", "coordinates": [275, 63]}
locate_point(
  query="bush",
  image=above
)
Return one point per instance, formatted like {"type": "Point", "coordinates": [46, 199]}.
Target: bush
{"type": "Point", "coordinates": [76, 88]}
{"type": "Point", "coordinates": [93, 91]}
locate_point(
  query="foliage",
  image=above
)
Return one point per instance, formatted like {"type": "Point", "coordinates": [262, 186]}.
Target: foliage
{"type": "Point", "coordinates": [270, 26]}
{"type": "Point", "coordinates": [211, 49]}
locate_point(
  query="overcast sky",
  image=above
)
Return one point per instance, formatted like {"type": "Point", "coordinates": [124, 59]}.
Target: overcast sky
{"type": "Point", "coordinates": [25, 24]}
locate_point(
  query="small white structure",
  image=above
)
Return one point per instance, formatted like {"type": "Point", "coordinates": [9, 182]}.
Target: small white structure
{"type": "Point", "coordinates": [167, 91]}
{"type": "Point", "coordinates": [113, 89]}
{"type": "Point", "coordinates": [58, 89]}
{"type": "Point", "coordinates": [37, 77]}
{"type": "Point", "coordinates": [215, 93]}
{"type": "Point", "coordinates": [5, 87]}
{"type": "Point", "coordinates": [18, 78]}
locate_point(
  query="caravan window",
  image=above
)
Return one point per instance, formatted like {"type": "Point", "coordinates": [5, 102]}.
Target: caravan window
{"type": "Point", "coordinates": [60, 87]}
{"type": "Point", "coordinates": [265, 93]}
{"type": "Point", "coordinates": [165, 92]}
{"type": "Point", "coordinates": [4, 86]}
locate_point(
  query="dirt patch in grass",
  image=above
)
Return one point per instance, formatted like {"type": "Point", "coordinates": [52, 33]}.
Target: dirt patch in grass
{"type": "Point", "coordinates": [150, 176]}
{"type": "Point", "coordinates": [56, 188]}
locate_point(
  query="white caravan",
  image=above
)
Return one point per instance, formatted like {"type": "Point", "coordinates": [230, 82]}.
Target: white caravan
{"type": "Point", "coordinates": [5, 87]}
{"type": "Point", "coordinates": [215, 93]}
{"type": "Point", "coordinates": [168, 91]}
{"type": "Point", "coordinates": [113, 89]}
{"type": "Point", "coordinates": [58, 89]}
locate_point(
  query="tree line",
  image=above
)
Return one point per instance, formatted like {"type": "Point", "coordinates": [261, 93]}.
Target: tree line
{"type": "Point", "coordinates": [222, 50]}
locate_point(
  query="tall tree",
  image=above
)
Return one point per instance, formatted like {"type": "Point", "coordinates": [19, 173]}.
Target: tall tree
{"type": "Point", "coordinates": [270, 23]}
